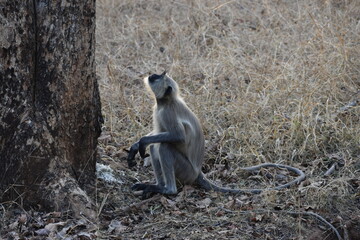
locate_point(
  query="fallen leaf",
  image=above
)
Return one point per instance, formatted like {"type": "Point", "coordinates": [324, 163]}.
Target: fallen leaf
{"type": "Point", "coordinates": [177, 212]}
{"type": "Point", "coordinates": [255, 217]}
{"type": "Point", "coordinates": [42, 232]}
{"type": "Point", "coordinates": [53, 227]}
{"type": "Point", "coordinates": [14, 225]}
{"type": "Point", "coordinates": [84, 236]}
{"type": "Point", "coordinates": [220, 213]}
{"type": "Point", "coordinates": [204, 203]}
{"type": "Point", "coordinates": [53, 214]}
{"type": "Point", "coordinates": [104, 137]}
{"type": "Point", "coordinates": [168, 204]}
{"type": "Point", "coordinates": [187, 190]}
{"type": "Point", "coordinates": [22, 219]}
{"type": "Point", "coordinates": [230, 204]}
{"type": "Point", "coordinates": [64, 232]}
{"type": "Point", "coordinates": [116, 227]}
{"type": "Point", "coordinates": [259, 217]}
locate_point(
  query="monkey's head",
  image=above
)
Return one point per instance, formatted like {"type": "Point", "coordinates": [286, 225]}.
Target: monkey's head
{"type": "Point", "coordinates": [162, 86]}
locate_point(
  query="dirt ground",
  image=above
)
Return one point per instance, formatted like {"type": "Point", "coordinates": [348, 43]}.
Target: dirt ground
{"type": "Point", "coordinates": [271, 81]}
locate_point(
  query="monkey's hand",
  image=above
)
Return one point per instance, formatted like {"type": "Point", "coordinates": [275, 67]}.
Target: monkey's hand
{"type": "Point", "coordinates": [140, 147]}
{"type": "Point", "coordinates": [133, 151]}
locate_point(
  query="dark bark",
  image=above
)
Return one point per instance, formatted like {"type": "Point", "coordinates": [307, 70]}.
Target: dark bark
{"type": "Point", "coordinates": [50, 113]}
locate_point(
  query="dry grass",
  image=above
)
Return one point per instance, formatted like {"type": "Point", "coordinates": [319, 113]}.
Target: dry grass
{"type": "Point", "coordinates": [267, 79]}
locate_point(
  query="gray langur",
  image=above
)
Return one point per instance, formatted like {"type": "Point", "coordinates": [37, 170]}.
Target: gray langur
{"type": "Point", "coordinates": [177, 144]}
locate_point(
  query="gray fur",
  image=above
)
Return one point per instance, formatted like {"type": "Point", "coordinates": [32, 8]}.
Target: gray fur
{"type": "Point", "coordinates": [177, 143]}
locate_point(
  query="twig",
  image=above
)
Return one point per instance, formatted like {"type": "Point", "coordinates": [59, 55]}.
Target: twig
{"type": "Point", "coordinates": [331, 169]}
{"type": "Point", "coordinates": [350, 105]}
{"type": "Point", "coordinates": [318, 217]}
{"type": "Point", "coordinates": [138, 205]}
{"type": "Point", "coordinates": [103, 204]}
{"type": "Point", "coordinates": [221, 5]}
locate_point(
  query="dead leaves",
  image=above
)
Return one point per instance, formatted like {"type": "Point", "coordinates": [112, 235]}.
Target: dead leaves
{"type": "Point", "coordinates": [49, 226]}
{"type": "Point", "coordinates": [116, 227]}
{"type": "Point", "coordinates": [205, 203]}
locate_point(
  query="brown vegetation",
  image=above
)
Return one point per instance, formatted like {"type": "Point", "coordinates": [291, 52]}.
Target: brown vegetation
{"type": "Point", "coordinates": [269, 81]}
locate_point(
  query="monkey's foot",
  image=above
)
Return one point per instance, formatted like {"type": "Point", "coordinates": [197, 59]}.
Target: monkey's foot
{"type": "Point", "coordinates": [152, 188]}
{"type": "Point", "coordinates": [131, 163]}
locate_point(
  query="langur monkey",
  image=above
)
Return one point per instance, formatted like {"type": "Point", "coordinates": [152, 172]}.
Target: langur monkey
{"type": "Point", "coordinates": [177, 144]}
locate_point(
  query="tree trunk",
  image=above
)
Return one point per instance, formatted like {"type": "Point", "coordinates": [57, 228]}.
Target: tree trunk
{"type": "Point", "coordinates": [50, 113]}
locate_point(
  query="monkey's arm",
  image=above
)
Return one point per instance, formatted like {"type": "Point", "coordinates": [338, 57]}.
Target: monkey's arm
{"type": "Point", "coordinates": [163, 137]}
{"type": "Point", "coordinates": [134, 150]}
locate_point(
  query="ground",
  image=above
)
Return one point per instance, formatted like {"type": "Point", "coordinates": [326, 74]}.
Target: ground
{"type": "Point", "coordinates": [271, 81]}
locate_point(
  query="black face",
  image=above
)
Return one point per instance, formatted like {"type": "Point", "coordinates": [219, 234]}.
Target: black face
{"type": "Point", "coordinates": [153, 77]}
{"type": "Point", "coordinates": [168, 91]}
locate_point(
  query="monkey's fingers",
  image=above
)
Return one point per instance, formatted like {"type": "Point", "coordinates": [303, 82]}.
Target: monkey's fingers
{"type": "Point", "coordinates": [133, 151]}
{"type": "Point", "coordinates": [131, 163]}
{"type": "Point", "coordinates": [132, 154]}
{"type": "Point", "coordinates": [142, 151]}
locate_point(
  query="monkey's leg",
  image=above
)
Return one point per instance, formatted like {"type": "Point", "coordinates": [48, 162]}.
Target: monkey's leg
{"type": "Point", "coordinates": [155, 161]}
{"type": "Point", "coordinates": [167, 154]}
{"type": "Point", "coordinates": [166, 161]}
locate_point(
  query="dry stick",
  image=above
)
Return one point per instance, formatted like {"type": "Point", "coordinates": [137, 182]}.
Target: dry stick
{"type": "Point", "coordinates": [297, 180]}
{"type": "Point", "coordinates": [103, 204]}
{"type": "Point", "coordinates": [221, 5]}
{"type": "Point", "coordinates": [345, 108]}
{"type": "Point", "coordinates": [331, 169]}
{"type": "Point", "coordinates": [318, 217]}
{"type": "Point", "coordinates": [140, 204]}
{"type": "Point", "coordinates": [350, 105]}
{"type": "Point", "coordinates": [291, 213]}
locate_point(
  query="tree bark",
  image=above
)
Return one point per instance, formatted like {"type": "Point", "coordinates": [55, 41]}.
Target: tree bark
{"type": "Point", "coordinates": [50, 113]}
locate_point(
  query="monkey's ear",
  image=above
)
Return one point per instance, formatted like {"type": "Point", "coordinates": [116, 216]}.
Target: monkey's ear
{"type": "Point", "coordinates": [163, 74]}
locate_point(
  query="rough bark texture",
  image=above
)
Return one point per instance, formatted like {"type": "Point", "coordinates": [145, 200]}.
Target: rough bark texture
{"type": "Point", "coordinates": [50, 113]}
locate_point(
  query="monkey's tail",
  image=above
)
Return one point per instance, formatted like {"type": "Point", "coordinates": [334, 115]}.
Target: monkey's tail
{"type": "Point", "coordinates": [208, 185]}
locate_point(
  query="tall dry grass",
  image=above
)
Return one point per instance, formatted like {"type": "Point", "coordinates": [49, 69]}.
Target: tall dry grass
{"type": "Point", "coordinates": [268, 80]}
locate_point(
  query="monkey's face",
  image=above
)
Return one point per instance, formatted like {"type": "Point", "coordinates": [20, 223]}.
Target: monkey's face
{"type": "Point", "coordinates": [161, 85]}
